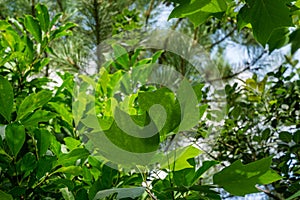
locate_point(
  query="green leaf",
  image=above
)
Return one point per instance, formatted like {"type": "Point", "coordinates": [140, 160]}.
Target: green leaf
{"type": "Point", "coordinates": [4, 157]}
{"type": "Point", "coordinates": [71, 157]}
{"type": "Point", "coordinates": [15, 137]}
{"type": "Point", "coordinates": [11, 38]}
{"type": "Point", "coordinates": [43, 138]}
{"type": "Point", "coordinates": [167, 117]}
{"type": "Point", "coordinates": [199, 11]}
{"type": "Point", "coordinates": [32, 102]}
{"type": "Point", "coordinates": [189, 106]}
{"type": "Point", "coordinates": [125, 140]}
{"type": "Point", "coordinates": [206, 191]}
{"type": "Point", "coordinates": [294, 196]}
{"type": "Point", "coordinates": [37, 117]}
{"type": "Point", "coordinates": [178, 159]}
{"type": "Point", "coordinates": [198, 91]}
{"type": "Point", "coordinates": [108, 176]}
{"type": "Point", "coordinates": [55, 19]}
{"type": "Point", "coordinates": [265, 16]}
{"type": "Point", "coordinates": [4, 25]}
{"type": "Point", "coordinates": [279, 38]}
{"type": "Point", "coordinates": [43, 16]}
{"type": "Point", "coordinates": [285, 136]}
{"type": "Point", "coordinates": [121, 56]}
{"type": "Point", "coordinates": [63, 112]}
{"type": "Point", "coordinates": [71, 143]}
{"type": "Point", "coordinates": [205, 166]}
{"type": "Point", "coordinates": [32, 26]}
{"type": "Point", "coordinates": [296, 137]}
{"type": "Point", "coordinates": [44, 165]}
{"type": "Point", "coordinates": [74, 170]}
{"type": "Point", "coordinates": [6, 98]}
{"type": "Point", "coordinates": [265, 134]}
{"type": "Point", "coordinates": [239, 179]}
{"type": "Point", "coordinates": [28, 162]}
{"type": "Point", "coordinates": [5, 196]}
{"type": "Point", "coordinates": [62, 31]}
{"type": "Point", "coordinates": [156, 56]}
{"type": "Point", "coordinates": [188, 8]}
{"type": "Point", "coordinates": [121, 193]}
{"type": "Point", "coordinates": [67, 195]}
{"type": "Point", "coordinates": [295, 40]}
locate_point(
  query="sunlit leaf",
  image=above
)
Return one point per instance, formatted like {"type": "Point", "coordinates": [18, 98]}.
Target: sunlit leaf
{"type": "Point", "coordinates": [74, 170]}
{"type": "Point", "coordinates": [178, 159]}
{"type": "Point", "coordinates": [199, 11]}
{"type": "Point", "coordinates": [33, 27]}
{"type": "Point", "coordinates": [43, 16]}
{"type": "Point", "coordinates": [33, 101]}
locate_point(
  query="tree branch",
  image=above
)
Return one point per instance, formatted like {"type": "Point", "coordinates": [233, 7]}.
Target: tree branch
{"type": "Point", "coordinates": [267, 192]}
{"type": "Point", "coordinates": [177, 23]}
{"type": "Point", "coordinates": [33, 8]}
{"type": "Point", "coordinates": [148, 12]}
{"type": "Point", "coordinates": [60, 5]}
{"type": "Point", "coordinates": [247, 67]}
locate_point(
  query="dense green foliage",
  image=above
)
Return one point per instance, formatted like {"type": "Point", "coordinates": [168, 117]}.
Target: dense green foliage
{"type": "Point", "coordinates": [134, 129]}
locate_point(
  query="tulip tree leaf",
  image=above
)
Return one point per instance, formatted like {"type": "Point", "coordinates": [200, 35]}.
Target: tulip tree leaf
{"type": "Point", "coordinates": [295, 40]}
{"type": "Point", "coordinates": [239, 179]}
{"type": "Point", "coordinates": [265, 16]}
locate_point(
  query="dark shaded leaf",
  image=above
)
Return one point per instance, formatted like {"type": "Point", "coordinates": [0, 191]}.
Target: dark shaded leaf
{"type": "Point", "coordinates": [6, 98]}
{"type": "Point", "coordinates": [15, 137]}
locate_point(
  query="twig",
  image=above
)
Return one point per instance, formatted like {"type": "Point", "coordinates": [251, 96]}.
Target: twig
{"type": "Point", "coordinates": [60, 5]}
{"type": "Point", "coordinates": [196, 38]}
{"type": "Point", "coordinates": [222, 39]}
{"type": "Point", "coordinates": [33, 8]}
{"type": "Point", "coordinates": [148, 12]}
{"type": "Point", "coordinates": [176, 24]}
{"type": "Point", "coordinates": [267, 192]}
{"type": "Point", "coordinates": [150, 194]}
{"type": "Point", "coordinates": [97, 31]}
{"type": "Point", "coordinates": [208, 153]}
{"type": "Point", "coordinates": [248, 65]}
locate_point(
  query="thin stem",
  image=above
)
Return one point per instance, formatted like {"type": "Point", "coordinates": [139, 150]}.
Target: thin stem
{"type": "Point", "coordinates": [247, 67]}
{"type": "Point", "coordinates": [222, 39]}
{"type": "Point", "coordinates": [148, 12]}
{"type": "Point", "coordinates": [32, 7]}
{"type": "Point", "coordinates": [267, 192]}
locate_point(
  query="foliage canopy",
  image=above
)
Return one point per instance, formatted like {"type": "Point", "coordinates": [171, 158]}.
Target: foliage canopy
{"type": "Point", "coordinates": [147, 140]}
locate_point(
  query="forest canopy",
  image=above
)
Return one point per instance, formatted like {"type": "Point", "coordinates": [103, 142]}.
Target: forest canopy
{"type": "Point", "coordinates": [173, 99]}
